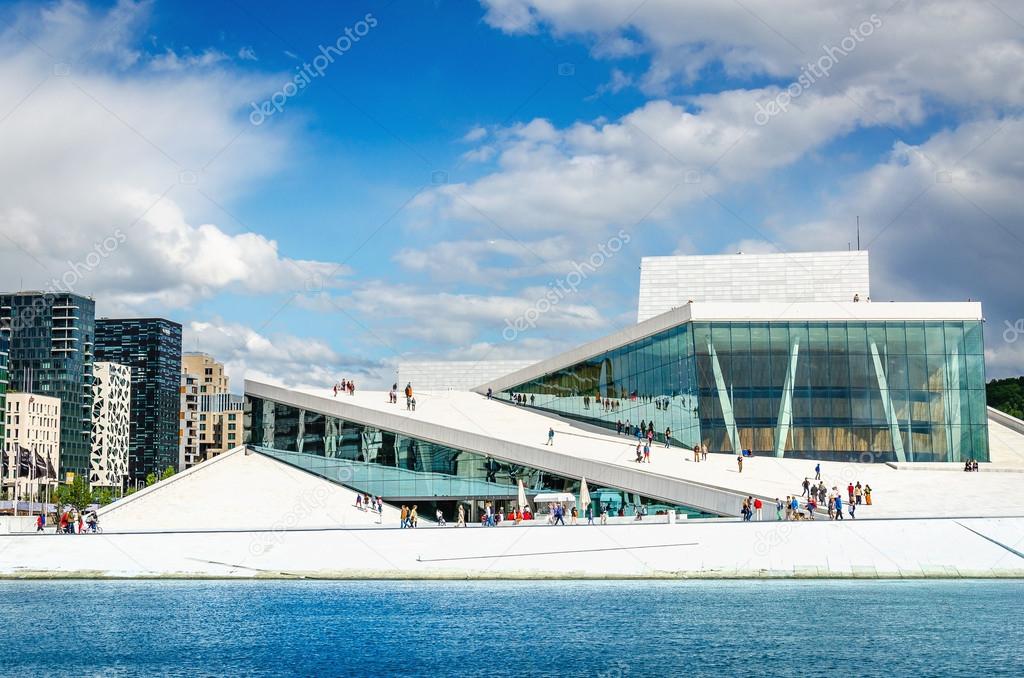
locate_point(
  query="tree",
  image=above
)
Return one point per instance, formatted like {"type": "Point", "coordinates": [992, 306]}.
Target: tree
{"type": "Point", "coordinates": [168, 472]}
{"type": "Point", "coordinates": [150, 479]}
{"type": "Point", "coordinates": [76, 495]}
{"type": "Point", "coordinates": [104, 496]}
{"type": "Point", "coordinates": [1007, 395]}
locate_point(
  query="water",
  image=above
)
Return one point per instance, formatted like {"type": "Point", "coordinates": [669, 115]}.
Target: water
{"type": "Point", "coordinates": [613, 629]}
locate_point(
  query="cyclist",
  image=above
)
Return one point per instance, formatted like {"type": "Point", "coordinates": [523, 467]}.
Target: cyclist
{"type": "Point", "coordinates": [92, 520]}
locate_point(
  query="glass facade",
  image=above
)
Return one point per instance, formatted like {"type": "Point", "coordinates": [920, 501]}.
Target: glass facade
{"type": "Point", "coordinates": [151, 348]}
{"type": "Point", "coordinates": [400, 468]}
{"type": "Point", "coordinates": [855, 391]}
{"type": "Point", "coordinates": [51, 353]}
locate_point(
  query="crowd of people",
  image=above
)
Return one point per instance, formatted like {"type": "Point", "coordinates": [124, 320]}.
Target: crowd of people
{"type": "Point", "coordinates": [971, 466]}
{"type": "Point", "coordinates": [365, 502]}
{"type": "Point", "coordinates": [345, 386]}
{"type": "Point", "coordinates": [72, 521]}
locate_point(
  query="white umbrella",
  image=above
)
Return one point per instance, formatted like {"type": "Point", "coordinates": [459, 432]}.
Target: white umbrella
{"type": "Point", "coordinates": [584, 494]}
{"type": "Point", "coordinates": [522, 496]}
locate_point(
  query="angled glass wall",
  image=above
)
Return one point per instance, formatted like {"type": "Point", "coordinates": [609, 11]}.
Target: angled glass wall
{"type": "Point", "coordinates": [856, 391]}
{"type": "Point", "coordinates": [400, 468]}
{"type": "Point", "coordinates": [650, 382]}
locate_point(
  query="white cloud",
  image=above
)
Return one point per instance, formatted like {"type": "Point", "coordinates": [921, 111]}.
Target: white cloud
{"type": "Point", "coordinates": [172, 61]}
{"type": "Point", "coordinates": [453, 319]}
{"type": "Point", "coordinates": [247, 53]}
{"type": "Point", "coordinates": [955, 50]}
{"type": "Point", "coordinates": [475, 134]}
{"type": "Point", "coordinates": [284, 359]}
{"type": "Point", "coordinates": [590, 176]}
{"type": "Point", "coordinates": [113, 146]}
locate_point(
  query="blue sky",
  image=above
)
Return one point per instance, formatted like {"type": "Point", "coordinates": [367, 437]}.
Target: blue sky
{"type": "Point", "coordinates": [457, 160]}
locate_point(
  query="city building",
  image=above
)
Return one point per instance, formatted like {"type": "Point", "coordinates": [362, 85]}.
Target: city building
{"type": "Point", "coordinates": [754, 362]}
{"type": "Point", "coordinates": [839, 381]}
{"type": "Point", "coordinates": [3, 385]}
{"type": "Point", "coordinates": [188, 421]}
{"type": "Point", "coordinates": [221, 417]}
{"type": "Point", "coordinates": [111, 425]}
{"type": "Point", "coordinates": [211, 374]}
{"type": "Point", "coordinates": [32, 447]}
{"type": "Point", "coordinates": [50, 353]}
{"type": "Point", "coordinates": [151, 348]}
{"type": "Point", "coordinates": [670, 282]}
{"type": "Point", "coordinates": [220, 412]}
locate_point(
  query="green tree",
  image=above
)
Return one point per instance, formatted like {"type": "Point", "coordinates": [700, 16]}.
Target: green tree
{"type": "Point", "coordinates": [104, 496]}
{"type": "Point", "coordinates": [76, 495]}
{"type": "Point", "coordinates": [168, 472]}
{"type": "Point", "coordinates": [150, 479]}
{"type": "Point", "coordinates": [1007, 395]}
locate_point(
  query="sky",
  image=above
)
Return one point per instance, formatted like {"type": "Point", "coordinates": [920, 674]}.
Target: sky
{"type": "Point", "coordinates": [321, 190]}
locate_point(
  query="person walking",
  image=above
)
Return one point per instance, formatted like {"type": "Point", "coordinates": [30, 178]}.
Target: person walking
{"type": "Point", "coordinates": [853, 509]}
{"type": "Point", "coordinates": [867, 495]}
{"type": "Point", "coordinates": [462, 516]}
{"type": "Point", "coordinates": [551, 436]}
{"type": "Point", "coordinates": [849, 493]}
{"type": "Point", "coordinates": [647, 453]}
{"type": "Point", "coordinates": [757, 508]}
{"type": "Point", "coordinates": [778, 509]}
{"type": "Point", "coordinates": [604, 514]}
{"type": "Point", "coordinates": [817, 471]}
{"type": "Point", "coordinates": [858, 492]}
{"type": "Point", "coordinates": [574, 514]}
{"type": "Point", "coordinates": [40, 522]}
{"type": "Point", "coordinates": [590, 513]}
{"type": "Point", "coordinates": [440, 518]}
{"type": "Point", "coordinates": [405, 515]}
{"type": "Point", "coordinates": [839, 506]}
{"type": "Point", "coordinates": [696, 453]}
{"type": "Point", "coordinates": [739, 463]}
{"type": "Point", "coordinates": [668, 437]}
{"type": "Point", "coordinates": [807, 487]}
{"type": "Point", "coordinates": [414, 518]}
{"type": "Point", "coordinates": [703, 452]}
{"type": "Point", "coordinates": [559, 515]}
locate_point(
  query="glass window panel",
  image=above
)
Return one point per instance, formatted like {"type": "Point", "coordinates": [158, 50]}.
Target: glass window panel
{"type": "Point", "coordinates": [935, 341]}
{"type": "Point", "coordinates": [973, 338]}
{"type": "Point", "coordinates": [876, 336]}
{"type": "Point", "coordinates": [862, 372]}
{"type": "Point", "coordinates": [954, 332]}
{"type": "Point", "coordinates": [779, 339]}
{"type": "Point", "coordinates": [895, 338]}
{"type": "Point", "coordinates": [857, 338]}
{"type": "Point", "coordinates": [975, 365]}
{"type": "Point", "coordinates": [915, 339]}
{"type": "Point", "coordinates": [817, 338]}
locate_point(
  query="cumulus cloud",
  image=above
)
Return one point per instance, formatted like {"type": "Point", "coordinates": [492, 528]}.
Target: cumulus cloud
{"type": "Point", "coordinates": [952, 50]}
{"type": "Point", "coordinates": [107, 153]}
{"type": "Point", "coordinates": [285, 359]}
{"type": "Point", "coordinates": [591, 176]}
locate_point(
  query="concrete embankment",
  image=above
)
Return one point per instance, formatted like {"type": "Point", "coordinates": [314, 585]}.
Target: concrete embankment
{"type": "Point", "coordinates": [916, 548]}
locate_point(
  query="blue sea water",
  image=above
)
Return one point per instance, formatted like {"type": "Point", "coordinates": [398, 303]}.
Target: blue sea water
{"type": "Point", "coordinates": [552, 628]}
